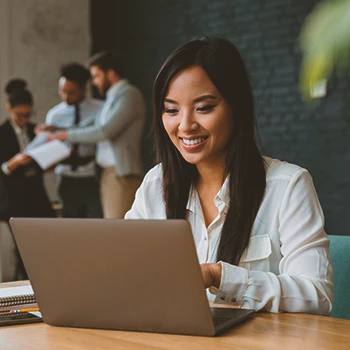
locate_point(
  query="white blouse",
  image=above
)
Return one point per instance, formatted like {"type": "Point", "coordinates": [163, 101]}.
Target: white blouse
{"type": "Point", "coordinates": [286, 266]}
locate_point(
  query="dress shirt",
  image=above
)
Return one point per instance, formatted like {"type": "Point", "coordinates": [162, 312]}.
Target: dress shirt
{"type": "Point", "coordinates": [104, 153]}
{"type": "Point", "coordinates": [23, 140]}
{"type": "Point", "coordinates": [286, 266]}
{"type": "Point", "coordinates": [62, 116]}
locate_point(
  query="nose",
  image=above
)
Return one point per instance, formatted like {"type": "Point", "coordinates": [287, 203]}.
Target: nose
{"type": "Point", "coordinates": [187, 123]}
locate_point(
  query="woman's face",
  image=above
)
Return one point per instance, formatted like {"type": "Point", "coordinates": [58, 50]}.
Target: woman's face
{"type": "Point", "coordinates": [20, 114]}
{"type": "Point", "coordinates": [197, 118]}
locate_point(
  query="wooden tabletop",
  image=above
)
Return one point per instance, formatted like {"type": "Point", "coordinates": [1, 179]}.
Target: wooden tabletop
{"type": "Point", "coordinates": [264, 331]}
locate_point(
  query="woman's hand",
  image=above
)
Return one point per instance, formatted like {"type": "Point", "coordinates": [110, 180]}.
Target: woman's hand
{"type": "Point", "coordinates": [58, 135]}
{"type": "Point", "coordinates": [211, 274]}
{"type": "Point", "coordinates": [18, 160]}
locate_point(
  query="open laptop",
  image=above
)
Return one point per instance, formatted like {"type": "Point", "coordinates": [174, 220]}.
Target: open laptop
{"type": "Point", "coordinates": [136, 275]}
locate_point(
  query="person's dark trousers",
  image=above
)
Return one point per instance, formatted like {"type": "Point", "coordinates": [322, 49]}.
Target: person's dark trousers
{"type": "Point", "coordinates": [80, 197]}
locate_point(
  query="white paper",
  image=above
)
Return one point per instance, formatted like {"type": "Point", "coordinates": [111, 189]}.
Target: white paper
{"type": "Point", "coordinates": [49, 153]}
{"type": "Point", "coordinates": [38, 140]}
{"type": "Point", "coordinates": [15, 291]}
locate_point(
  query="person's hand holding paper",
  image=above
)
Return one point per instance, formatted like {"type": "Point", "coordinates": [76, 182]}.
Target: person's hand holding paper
{"type": "Point", "coordinates": [20, 159]}
{"type": "Point", "coordinates": [43, 127]}
{"type": "Point", "coordinates": [61, 135]}
{"type": "Point", "coordinates": [45, 152]}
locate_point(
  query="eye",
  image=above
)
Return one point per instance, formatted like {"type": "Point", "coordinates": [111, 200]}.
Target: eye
{"type": "Point", "coordinates": [170, 111]}
{"type": "Point", "coordinates": [206, 108]}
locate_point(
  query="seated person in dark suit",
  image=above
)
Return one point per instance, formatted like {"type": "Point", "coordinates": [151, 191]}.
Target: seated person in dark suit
{"type": "Point", "coordinates": [23, 193]}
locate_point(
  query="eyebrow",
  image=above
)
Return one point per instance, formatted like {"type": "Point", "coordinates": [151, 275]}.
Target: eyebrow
{"type": "Point", "coordinates": [198, 99]}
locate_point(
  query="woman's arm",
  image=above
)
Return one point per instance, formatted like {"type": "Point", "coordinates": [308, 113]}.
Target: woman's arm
{"type": "Point", "coordinates": [305, 281]}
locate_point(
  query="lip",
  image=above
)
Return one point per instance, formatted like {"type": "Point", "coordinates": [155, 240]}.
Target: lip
{"type": "Point", "coordinates": [193, 148]}
{"type": "Point", "coordinates": [192, 137]}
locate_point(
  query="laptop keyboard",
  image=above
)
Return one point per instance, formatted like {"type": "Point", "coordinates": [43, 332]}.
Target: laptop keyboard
{"type": "Point", "coordinates": [219, 320]}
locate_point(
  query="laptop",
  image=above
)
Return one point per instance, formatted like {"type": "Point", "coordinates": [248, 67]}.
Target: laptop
{"type": "Point", "coordinates": [134, 275]}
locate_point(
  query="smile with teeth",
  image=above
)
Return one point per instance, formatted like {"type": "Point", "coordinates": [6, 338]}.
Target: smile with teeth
{"type": "Point", "coordinates": [194, 141]}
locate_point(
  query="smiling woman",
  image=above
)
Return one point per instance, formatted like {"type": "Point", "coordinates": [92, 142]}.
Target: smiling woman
{"type": "Point", "coordinates": [197, 118]}
{"type": "Point", "coordinates": [257, 223]}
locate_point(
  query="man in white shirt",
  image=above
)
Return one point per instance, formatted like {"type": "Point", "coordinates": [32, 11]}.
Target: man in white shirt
{"type": "Point", "coordinates": [78, 184]}
{"type": "Point", "coordinates": [117, 132]}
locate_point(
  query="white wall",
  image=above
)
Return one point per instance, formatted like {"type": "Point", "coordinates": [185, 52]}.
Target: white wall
{"type": "Point", "coordinates": [37, 37]}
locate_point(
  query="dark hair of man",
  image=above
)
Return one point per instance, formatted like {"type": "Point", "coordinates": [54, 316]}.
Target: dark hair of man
{"type": "Point", "coordinates": [220, 59]}
{"type": "Point", "coordinates": [107, 60]}
{"type": "Point", "coordinates": [76, 73]}
{"type": "Point", "coordinates": [15, 84]}
{"type": "Point", "coordinates": [20, 97]}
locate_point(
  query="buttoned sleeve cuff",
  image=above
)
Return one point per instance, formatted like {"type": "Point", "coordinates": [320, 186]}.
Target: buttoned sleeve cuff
{"type": "Point", "coordinates": [5, 169]}
{"type": "Point", "coordinates": [233, 285]}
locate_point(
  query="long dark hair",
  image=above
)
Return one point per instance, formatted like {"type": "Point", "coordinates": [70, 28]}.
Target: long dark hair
{"type": "Point", "coordinates": [244, 164]}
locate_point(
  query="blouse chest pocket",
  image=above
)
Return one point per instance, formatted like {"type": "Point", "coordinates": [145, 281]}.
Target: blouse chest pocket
{"type": "Point", "coordinates": [257, 256]}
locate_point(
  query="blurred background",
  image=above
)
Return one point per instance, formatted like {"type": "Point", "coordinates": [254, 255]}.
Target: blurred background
{"type": "Point", "coordinates": [38, 36]}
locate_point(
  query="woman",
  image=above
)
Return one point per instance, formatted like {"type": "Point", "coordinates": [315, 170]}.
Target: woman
{"type": "Point", "coordinates": [14, 84]}
{"type": "Point", "coordinates": [256, 221]}
{"type": "Point", "coordinates": [21, 177]}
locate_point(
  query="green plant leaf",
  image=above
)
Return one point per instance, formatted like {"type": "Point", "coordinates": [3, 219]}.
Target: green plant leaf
{"type": "Point", "coordinates": [324, 38]}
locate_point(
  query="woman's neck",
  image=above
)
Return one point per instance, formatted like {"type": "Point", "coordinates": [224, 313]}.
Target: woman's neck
{"type": "Point", "coordinates": [211, 175]}
{"type": "Point", "coordinates": [208, 185]}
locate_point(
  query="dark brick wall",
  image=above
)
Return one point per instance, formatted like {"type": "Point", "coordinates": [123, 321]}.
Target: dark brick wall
{"type": "Point", "coordinates": [315, 136]}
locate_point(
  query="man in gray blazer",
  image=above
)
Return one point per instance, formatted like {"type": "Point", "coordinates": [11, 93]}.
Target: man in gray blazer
{"type": "Point", "coordinates": [117, 131]}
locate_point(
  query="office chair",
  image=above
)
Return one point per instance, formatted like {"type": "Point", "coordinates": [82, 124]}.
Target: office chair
{"type": "Point", "coordinates": [340, 254]}
{"type": "Point", "coordinates": [8, 257]}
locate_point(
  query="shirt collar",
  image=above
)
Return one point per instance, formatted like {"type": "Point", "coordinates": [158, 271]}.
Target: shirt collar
{"type": "Point", "coordinates": [17, 129]}
{"type": "Point", "coordinates": [224, 192]}
{"type": "Point", "coordinates": [113, 90]}
{"type": "Point", "coordinates": [81, 104]}
{"type": "Point", "coordinates": [193, 200]}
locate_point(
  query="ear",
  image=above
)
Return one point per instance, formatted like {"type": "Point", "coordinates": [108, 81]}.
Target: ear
{"type": "Point", "coordinates": [8, 107]}
{"type": "Point", "coordinates": [112, 75]}
{"type": "Point", "coordinates": [109, 74]}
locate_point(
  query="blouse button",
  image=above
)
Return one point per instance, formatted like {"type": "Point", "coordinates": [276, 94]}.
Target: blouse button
{"type": "Point", "coordinates": [233, 300]}
{"type": "Point", "coordinates": [222, 298]}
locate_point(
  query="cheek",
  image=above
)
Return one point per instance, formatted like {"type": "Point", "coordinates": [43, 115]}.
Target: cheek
{"type": "Point", "coordinates": [224, 132]}
{"type": "Point", "coordinates": [169, 126]}
{"type": "Point", "coordinates": [221, 128]}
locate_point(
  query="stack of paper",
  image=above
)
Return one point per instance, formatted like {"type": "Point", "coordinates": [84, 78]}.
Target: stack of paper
{"type": "Point", "coordinates": [16, 298]}
{"type": "Point", "coordinates": [47, 154]}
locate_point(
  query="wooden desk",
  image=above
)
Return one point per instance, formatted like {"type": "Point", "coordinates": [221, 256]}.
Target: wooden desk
{"type": "Point", "coordinates": [264, 331]}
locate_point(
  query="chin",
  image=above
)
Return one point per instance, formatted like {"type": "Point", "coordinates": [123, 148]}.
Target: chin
{"type": "Point", "coordinates": [192, 160]}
